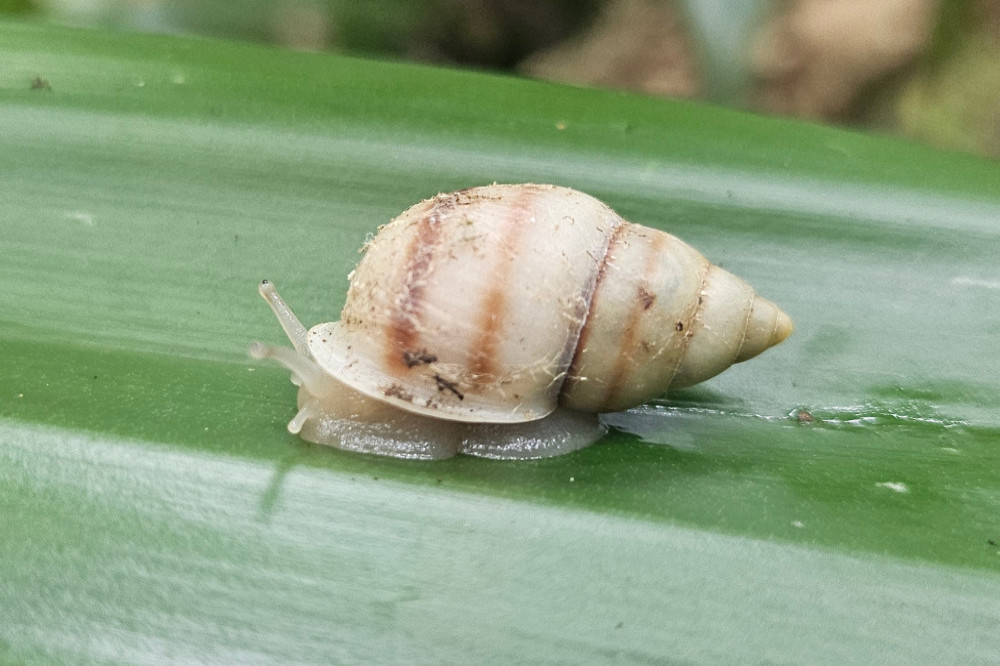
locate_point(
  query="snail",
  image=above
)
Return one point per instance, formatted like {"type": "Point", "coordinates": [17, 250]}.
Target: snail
{"type": "Point", "coordinates": [499, 321]}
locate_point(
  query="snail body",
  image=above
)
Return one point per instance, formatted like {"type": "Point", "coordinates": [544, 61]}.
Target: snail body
{"type": "Point", "coordinates": [500, 320]}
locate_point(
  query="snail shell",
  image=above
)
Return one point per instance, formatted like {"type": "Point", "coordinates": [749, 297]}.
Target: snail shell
{"type": "Point", "coordinates": [501, 304]}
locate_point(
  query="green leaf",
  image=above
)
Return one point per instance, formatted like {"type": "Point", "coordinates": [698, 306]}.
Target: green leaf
{"type": "Point", "coordinates": [836, 499]}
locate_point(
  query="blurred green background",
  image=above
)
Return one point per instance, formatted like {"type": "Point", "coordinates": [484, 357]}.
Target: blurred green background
{"type": "Point", "coordinates": [925, 69]}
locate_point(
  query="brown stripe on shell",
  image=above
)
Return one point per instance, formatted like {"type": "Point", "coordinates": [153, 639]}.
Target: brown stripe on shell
{"type": "Point", "coordinates": [643, 301]}
{"type": "Point", "coordinates": [490, 322]}
{"type": "Point", "coordinates": [401, 335]}
{"type": "Point", "coordinates": [699, 304]}
{"type": "Point", "coordinates": [582, 339]}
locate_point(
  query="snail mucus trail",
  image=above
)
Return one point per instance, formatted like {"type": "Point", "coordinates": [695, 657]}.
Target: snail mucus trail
{"type": "Point", "coordinates": [499, 321]}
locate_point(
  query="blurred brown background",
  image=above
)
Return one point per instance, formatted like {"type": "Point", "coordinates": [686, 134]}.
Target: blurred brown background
{"type": "Point", "coordinates": [925, 69]}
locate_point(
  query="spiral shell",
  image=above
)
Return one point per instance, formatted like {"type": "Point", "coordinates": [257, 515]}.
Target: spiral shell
{"type": "Point", "coordinates": [496, 304]}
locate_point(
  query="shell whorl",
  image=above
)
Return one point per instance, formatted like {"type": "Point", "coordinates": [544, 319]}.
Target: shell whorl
{"type": "Point", "coordinates": [664, 317]}
{"type": "Point", "coordinates": [498, 302]}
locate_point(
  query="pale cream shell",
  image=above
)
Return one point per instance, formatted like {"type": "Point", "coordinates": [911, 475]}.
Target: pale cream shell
{"type": "Point", "coordinates": [495, 304]}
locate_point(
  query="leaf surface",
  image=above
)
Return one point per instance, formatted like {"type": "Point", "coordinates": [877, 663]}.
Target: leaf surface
{"type": "Point", "coordinates": [836, 499]}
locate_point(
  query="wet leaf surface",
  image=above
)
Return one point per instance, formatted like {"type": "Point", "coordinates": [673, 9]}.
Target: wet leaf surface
{"type": "Point", "coordinates": [835, 499]}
